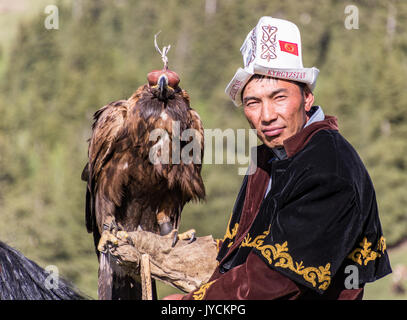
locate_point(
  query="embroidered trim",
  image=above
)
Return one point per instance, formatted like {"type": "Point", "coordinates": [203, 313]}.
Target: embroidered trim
{"type": "Point", "coordinates": [230, 234]}
{"type": "Point", "coordinates": [365, 254]}
{"type": "Point", "coordinates": [200, 293]}
{"type": "Point", "coordinates": [278, 256]}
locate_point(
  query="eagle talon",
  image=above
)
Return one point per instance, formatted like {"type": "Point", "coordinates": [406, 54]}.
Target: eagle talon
{"type": "Point", "coordinates": [188, 235]}
{"type": "Point", "coordinates": [107, 241]}
{"type": "Point", "coordinates": [193, 238]}
{"type": "Point", "coordinates": [174, 239]}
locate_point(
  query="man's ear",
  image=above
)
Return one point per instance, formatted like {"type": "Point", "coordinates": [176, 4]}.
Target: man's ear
{"type": "Point", "coordinates": [308, 99]}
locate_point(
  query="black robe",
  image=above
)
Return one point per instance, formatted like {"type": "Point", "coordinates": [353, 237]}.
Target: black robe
{"type": "Point", "coordinates": [319, 217]}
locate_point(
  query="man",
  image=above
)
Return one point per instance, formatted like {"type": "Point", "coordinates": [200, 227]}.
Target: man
{"type": "Point", "coordinates": [305, 225]}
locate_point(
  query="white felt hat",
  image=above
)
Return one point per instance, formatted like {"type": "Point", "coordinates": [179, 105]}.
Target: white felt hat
{"type": "Point", "coordinates": [272, 48]}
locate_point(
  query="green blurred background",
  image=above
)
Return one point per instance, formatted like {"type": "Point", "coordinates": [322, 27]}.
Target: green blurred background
{"type": "Point", "coordinates": [52, 81]}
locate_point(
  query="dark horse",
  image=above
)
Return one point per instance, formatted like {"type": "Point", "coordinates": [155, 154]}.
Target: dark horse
{"type": "Point", "coordinates": [23, 279]}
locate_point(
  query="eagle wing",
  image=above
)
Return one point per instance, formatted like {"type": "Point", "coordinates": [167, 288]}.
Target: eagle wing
{"type": "Point", "coordinates": [193, 172]}
{"type": "Point", "coordinates": [108, 121]}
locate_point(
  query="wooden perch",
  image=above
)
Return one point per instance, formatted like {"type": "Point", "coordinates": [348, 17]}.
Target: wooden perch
{"type": "Point", "coordinates": [146, 277]}
{"type": "Point", "coordinates": [186, 266]}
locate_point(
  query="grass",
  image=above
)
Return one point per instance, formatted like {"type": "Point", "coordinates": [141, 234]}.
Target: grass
{"type": "Point", "coordinates": [381, 289]}
{"type": "Point", "coordinates": [12, 12]}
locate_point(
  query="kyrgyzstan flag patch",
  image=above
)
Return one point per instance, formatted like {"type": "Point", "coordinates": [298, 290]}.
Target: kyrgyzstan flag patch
{"type": "Point", "coordinates": [289, 47]}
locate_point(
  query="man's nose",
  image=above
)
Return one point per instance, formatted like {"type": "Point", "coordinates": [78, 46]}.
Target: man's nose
{"type": "Point", "coordinates": [268, 113]}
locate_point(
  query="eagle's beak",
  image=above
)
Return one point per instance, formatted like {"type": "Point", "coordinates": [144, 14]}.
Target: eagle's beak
{"type": "Point", "coordinates": [163, 87]}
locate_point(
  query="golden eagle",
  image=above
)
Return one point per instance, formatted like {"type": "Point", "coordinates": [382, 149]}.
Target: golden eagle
{"type": "Point", "coordinates": [126, 186]}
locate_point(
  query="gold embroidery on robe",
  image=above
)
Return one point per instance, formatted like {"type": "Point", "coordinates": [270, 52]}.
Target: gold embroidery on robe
{"type": "Point", "coordinates": [230, 234]}
{"type": "Point", "coordinates": [364, 254]}
{"type": "Point", "coordinates": [278, 256]}
{"type": "Point", "coordinates": [200, 293]}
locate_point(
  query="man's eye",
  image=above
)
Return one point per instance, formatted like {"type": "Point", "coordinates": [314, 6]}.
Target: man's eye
{"type": "Point", "coordinates": [251, 103]}
{"type": "Point", "coordinates": [281, 97]}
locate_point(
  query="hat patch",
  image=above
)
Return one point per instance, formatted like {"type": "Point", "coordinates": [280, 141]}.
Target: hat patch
{"type": "Point", "coordinates": [252, 52]}
{"type": "Point", "coordinates": [289, 47]}
{"type": "Point", "coordinates": [268, 42]}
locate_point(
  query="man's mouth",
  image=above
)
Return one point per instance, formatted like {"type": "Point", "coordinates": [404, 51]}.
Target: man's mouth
{"type": "Point", "coordinates": [272, 131]}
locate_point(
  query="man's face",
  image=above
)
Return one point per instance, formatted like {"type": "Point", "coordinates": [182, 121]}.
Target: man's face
{"type": "Point", "coordinates": [276, 109]}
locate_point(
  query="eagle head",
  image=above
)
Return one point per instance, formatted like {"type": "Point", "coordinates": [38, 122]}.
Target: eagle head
{"type": "Point", "coordinates": [163, 83]}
